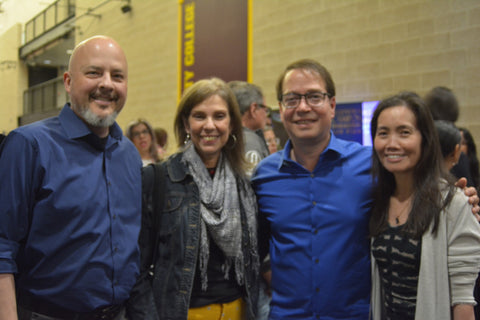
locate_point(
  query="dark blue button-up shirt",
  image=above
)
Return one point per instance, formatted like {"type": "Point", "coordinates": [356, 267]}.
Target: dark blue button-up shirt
{"type": "Point", "coordinates": [318, 222]}
{"type": "Point", "coordinates": [70, 210]}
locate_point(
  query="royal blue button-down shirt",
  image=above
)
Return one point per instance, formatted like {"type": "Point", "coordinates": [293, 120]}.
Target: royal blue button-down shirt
{"type": "Point", "coordinates": [70, 211]}
{"type": "Point", "coordinates": [318, 226]}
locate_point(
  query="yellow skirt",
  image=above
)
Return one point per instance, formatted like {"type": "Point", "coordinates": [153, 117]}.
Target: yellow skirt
{"type": "Point", "coordinates": [234, 310]}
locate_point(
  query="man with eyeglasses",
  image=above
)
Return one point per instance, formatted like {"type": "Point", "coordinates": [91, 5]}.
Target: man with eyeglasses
{"type": "Point", "coordinates": [314, 199]}
{"type": "Point", "coordinates": [254, 118]}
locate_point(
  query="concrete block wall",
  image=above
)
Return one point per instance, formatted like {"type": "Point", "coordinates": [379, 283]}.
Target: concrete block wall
{"type": "Point", "coordinates": [13, 78]}
{"type": "Point", "coordinates": [374, 48]}
{"type": "Point", "coordinates": [148, 35]}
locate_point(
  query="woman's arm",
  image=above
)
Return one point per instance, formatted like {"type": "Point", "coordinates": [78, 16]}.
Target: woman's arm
{"type": "Point", "coordinates": [463, 251]}
{"type": "Point", "coordinates": [463, 312]}
{"type": "Point", "coordinates": [8, 306]}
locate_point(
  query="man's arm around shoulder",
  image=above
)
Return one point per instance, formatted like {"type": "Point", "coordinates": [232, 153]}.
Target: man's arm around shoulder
{"type": "Point", "coordinates": [8, 305]}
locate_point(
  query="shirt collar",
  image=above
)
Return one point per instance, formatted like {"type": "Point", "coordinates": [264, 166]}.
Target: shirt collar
{"type": "Point", "coordinates": [76, 128]}
{"type": "Point", "coordinates": [333, 147]}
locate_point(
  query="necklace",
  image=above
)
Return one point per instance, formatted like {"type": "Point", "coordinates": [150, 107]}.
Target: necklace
{"type": "Point", "coordinates": [402, 209]}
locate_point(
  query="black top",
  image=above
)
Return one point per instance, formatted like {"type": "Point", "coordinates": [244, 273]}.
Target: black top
{"type": "Point", "coordinates": [462, 169]}
{"type": "Point", "coordinates": [219, 289]}
{"type": "Point", "coordinates": [398, 259]}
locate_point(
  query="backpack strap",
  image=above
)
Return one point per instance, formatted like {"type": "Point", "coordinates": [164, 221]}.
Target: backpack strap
{"type": "Point", "coordinates": [153, 194]}
{"type": "Point", "coordinates": [159, 200]}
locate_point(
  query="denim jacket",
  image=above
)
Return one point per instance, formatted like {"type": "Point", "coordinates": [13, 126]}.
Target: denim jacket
{"type": "Point", "coordinates": [178, 244]}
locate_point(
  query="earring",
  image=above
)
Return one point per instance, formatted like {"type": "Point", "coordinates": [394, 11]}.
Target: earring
{"type": "Point", "coordinates": [187, 138]}
{"type": "Point", "coordinates": [234, 141]}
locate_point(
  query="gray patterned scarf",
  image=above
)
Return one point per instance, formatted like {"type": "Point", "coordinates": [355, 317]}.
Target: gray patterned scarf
{"type": "Point", "coordinates": [220, 214]}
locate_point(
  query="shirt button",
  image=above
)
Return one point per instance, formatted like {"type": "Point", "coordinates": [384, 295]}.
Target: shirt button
{"type": "Point", "coordinates": [317, 289]}
{"type": "Point", "coordinates": [114, 216]}
{"type": "Point", "coordinates": [315, 231]}
{"type": "Point", "coordinates": [314, 203]}
{"type": "Point", "coordinates": [316, 260]}
{"type": "Point", "coordinates": [312, 175]}
{"type": "Point", "coordinates": [115, 249]}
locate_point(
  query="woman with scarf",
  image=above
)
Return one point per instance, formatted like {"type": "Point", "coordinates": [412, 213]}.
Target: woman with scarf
{"type": "Point", "coordinates": [199, 221]}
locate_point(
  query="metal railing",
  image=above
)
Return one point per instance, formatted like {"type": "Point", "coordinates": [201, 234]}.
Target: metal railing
{"type": "Point", "coordinates": [47, 96]}
{"type": "Point", "coordinates": [53, 15]}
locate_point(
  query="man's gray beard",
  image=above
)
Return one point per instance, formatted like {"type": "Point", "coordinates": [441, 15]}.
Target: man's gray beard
{"type": "Point", "coordinates": [95, 121]}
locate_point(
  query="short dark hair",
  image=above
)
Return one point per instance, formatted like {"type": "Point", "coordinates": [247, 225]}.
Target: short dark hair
{"type": "Point", "coordinates": [246, 94]}
{"type": "Point", "coordinates": [310, 65]}
{"type": "Point", "coordinates": [442, 104]}
{"type": "Point", "coordinates": [161, 136]}
{"type": "Point", "coordinates": [448, 135]}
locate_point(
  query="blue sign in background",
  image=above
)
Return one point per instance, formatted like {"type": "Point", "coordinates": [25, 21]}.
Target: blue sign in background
{"type": "Point", "coordinates": [347, 123]}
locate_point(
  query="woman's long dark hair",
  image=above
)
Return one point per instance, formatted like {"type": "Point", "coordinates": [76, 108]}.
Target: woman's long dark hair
{"type": "Point", "coordinates": [427, 201]}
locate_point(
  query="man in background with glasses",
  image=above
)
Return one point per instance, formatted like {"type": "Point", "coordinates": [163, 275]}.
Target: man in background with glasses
{"type": "Point", "coordinates": [254, 118]}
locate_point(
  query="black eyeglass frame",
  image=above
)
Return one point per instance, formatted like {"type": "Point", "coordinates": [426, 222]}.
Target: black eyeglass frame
{"type": "Point", "coordinates": [267, 109]}
{"type": "Point", "coordinates": [306, 96]}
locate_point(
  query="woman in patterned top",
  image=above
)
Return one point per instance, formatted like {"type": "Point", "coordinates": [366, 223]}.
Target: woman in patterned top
{"type": "Point", "coordinates": [425, 241]}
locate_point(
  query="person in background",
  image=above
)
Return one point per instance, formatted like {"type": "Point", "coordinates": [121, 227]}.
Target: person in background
{"type": "Point", "coordinates": [443, 105]}
{"type": "Point", "coordinates": [425, 241]}
{"type": "Point", "coordinates": [141, 134]}
{"type": "Point", "coordinates": [254, 118]}
{"type": "Point", "coordinates": [317, 240]}
{"type": "Point", "coordinates": [271, 139]}
{"type": "Point", "coordinates": [205, 259]}
{"type": "Point", "coordinates": [161, 136]}
{"type": "Point", "coordinates": [469, 148]}
{"type": "Point", "coordinates": [450, 139]}
{"type": "Point", "coordinates": [71, 198]}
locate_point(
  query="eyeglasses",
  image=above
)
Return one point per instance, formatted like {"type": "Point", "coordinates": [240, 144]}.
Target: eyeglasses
{"type": "Point", "coordinates": [273, 141]}
{"type": "Point", "coordinates": [137, 134]}
{"type": "Point", "coordinates": [313, 99]}
{"type": "Point", "coordinates": [266, 108]}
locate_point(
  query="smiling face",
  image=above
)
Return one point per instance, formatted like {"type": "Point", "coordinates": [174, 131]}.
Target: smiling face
{"type": "Point", "coordinates": [398, 141]}
{"type": "Point", "coordinates": [209, 127]}
{"type": "Point", "coordinates": [97, 82]}
{"type": "Point", "coordinates": [306, 124]}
